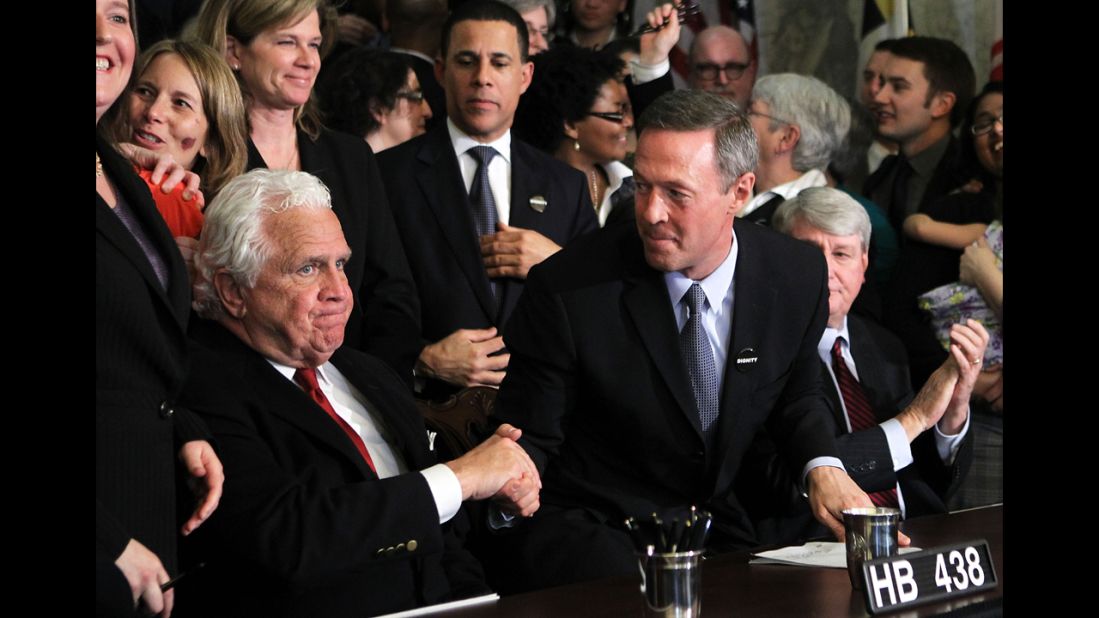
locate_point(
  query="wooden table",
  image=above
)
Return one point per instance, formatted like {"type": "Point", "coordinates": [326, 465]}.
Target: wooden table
{"type": "Point", "coordinates": [731, 587]}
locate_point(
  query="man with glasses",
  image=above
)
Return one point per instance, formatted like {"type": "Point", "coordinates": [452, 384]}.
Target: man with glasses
{"type": "Point", "coordinates": [539, 16]}
{"type": "Point", "coordinates": [721, 63]}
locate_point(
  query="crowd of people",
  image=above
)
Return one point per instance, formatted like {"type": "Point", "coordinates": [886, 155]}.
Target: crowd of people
{"type": "Point", "coordinates": [754, 296]}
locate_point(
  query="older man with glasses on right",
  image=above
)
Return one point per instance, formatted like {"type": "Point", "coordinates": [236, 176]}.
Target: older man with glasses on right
{"type": "Point", "coordinates": [721, 63]}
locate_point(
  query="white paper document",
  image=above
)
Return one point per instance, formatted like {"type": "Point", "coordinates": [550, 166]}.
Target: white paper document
{"type": "Point", "coordinates": [828, 554]}
{"type": "Point", "coordinates": [441, 607]}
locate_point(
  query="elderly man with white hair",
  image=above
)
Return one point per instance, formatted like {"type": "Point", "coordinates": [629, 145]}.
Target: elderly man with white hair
{"type": "Point", "coordinates": [906, 452]}
{"type": "Point", "coordinates": [337, 506]}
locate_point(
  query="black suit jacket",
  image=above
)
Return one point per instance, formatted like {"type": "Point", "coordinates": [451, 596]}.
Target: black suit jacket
{"type": "Point", "coordinates": [950, 173]}
{"type": "Point", "coordinates": [385, 319]}
{"type": "Point", "coordinates": [305, 527]}
{"type": "Point", "coordinates": [431, 208]}
{"type": "Point", "coordinates": [140, 366]}
{"type": "Point", "coordinates": [781, 516]}
{"type": "Point", "coordinates": [598, 386]}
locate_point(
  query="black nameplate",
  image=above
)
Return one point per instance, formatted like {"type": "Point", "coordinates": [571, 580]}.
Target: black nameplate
{"type": "Point", "coordinates": [925, 576]}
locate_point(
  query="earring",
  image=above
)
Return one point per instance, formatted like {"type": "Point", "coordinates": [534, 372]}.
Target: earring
{"type": "Point", "coordinates": [576, 145]}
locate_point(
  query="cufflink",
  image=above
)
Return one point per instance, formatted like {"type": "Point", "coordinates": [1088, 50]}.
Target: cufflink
{"type": "Point", "coordinates": [538, 203]}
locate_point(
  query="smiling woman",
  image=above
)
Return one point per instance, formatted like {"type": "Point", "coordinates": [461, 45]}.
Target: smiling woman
{"type": "Point", "coordinates": [184, 101]}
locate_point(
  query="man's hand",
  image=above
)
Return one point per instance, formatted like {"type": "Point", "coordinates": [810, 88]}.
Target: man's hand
{"type": "Point", "coordinates": [990, 387]}
{"type": "Point", "coordinates": [656, 46]}
{"type": "Point", "coordinates": [206, 480]}
{"type": "Point", "coordinates": [931, 402]}
{"type": "Point", "coordinates": [166, 172]}
{"type": "Point", "coordinates": [489, 468]}
{"type": "Point", "coordinates": [145, 574]}
{"type": "Point", "coordinates": [519, 496]}
{"type": "Point", "coordinates": [463, 358]}
{"type": "Point", "coordinates": [967, 351]}
{"type": "Point", "coordinates": [512, 251]}
{"type": "Point", "coordinates": [830, 492]}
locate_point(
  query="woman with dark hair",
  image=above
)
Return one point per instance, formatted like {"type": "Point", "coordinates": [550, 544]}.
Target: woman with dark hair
{"type": "Point", "coordinates": [275, 48]}
{"type": "Point", "coordinates": [577, 110]}
{"type": "Point", "coordinates": [374, 94]}
{"type": "Point", "coordinates": [142, 302]}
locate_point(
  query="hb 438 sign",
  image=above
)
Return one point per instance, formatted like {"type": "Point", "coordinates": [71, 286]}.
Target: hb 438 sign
{"type": "Point", "coordinates": [929, 575]}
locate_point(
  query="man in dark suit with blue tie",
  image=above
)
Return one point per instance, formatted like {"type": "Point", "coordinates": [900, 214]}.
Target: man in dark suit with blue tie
{"type": "Point", "coordinates": [645, 358]}
{"type": "Point", "coordinates": [910, 457]}
{"type": "Point", "coordinates": [475, 208]}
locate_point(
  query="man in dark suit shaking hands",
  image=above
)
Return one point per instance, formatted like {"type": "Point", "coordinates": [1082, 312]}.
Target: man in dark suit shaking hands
{"type": "Point", "coordinates": [337, 506]}
{"type": "Point", "coordinates": [475, 208]}
{"type": "Point", "coordinates": [645, 360]}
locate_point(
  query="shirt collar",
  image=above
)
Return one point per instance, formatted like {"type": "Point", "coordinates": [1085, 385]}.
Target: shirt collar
{"type": "Point", "coordinates": [616, 173]}
{"type": "Point", "coordinates": [925, 161]}
{"type": "Point", "coordinates": [812, 178]}
{"type": "Point", "coordinates": [828, 339]}
{"type": "Point", "coordinates": [463, 142]}
{"type": "Point", "coordinates": [288, 371]}
{"type": "Point", "coordinates": [716, 285]}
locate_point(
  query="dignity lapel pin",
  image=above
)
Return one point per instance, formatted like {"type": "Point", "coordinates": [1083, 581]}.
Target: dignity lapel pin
{"type": "Point", "coordinates": [538, 203]}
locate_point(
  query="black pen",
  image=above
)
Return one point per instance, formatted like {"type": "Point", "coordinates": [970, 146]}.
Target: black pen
{"type": "Point", "coordinates": [168, 585]}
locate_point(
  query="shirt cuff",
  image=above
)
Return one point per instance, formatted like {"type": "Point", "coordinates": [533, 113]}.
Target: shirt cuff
{"type": "Point", "coordinates": [899, 448]}
{"type": "Point", "coordinates": [445, 489]}
{"type": "Point", "coordinates": [498, 520]}
{"type": "Point", "coordinates": [645, 73]}
{"type": "Point", "coordinates": [817, 462]}
{"type": "Point", "coordinates": [948, 445]}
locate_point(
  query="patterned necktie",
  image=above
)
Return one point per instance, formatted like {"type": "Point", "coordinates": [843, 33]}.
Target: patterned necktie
{"type": "Point", "coordinates": [307, 379]}
{"type": "Point", "coordinates": [859, 412]}
{"type": "Point", "coordinates": [699, 357]}
{"type": "Point", "coordinates": [480, 196]}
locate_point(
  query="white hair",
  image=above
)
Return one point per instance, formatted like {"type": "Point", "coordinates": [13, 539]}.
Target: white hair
{"type": "Point", "coordinates": [232, 233]}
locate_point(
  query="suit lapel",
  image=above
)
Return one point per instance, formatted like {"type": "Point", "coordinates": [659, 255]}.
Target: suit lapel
{"type": "Point", "coordinates": [868, 363]}
{"type": "Point", "coordinates": [646, 298]}
{"type": "Point", "coordinates": [439, 176]}
{"type": "Point", "coordinates": [130, 187]}
{"type": "Point", "coordinates": [754, 300]}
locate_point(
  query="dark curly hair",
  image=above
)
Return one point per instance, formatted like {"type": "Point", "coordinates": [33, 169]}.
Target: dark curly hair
{"type": "Point", "coordinates": [358, 81]}
{"type": "Point", "coordinates": [566, 82]}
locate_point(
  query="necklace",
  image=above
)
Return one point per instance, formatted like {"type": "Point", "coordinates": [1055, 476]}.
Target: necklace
{"type": "Point", "coordinates": [98, 166]}
{"type": "Point", "coordinates": [594, 178]}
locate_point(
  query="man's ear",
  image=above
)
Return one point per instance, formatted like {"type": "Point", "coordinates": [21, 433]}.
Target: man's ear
{"type": "Point", "coordinates": [741, 192]}
{"type": "Point", "coordinates": [229, 293]}
{"type": "Point", "coordinates": [942, 104]}
{"type": "Point", "coordinates": [791, 135]}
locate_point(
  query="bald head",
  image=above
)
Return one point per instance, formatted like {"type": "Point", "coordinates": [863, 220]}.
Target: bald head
{"type": "Point", "coordinates": [721, 63]}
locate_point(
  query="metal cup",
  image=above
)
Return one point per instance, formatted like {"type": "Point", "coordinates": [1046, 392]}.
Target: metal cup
{"type": "Point", "coordinates": [671, 584]}
{"type": "Point", "coordinates": [871, 533]}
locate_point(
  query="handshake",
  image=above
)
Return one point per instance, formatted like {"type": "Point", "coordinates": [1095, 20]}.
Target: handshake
{"type": "Point", "coordinates": [500, 469]}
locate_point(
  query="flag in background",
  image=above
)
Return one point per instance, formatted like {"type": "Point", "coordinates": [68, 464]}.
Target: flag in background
{"type": "Point", "coordinates": [996, 73]}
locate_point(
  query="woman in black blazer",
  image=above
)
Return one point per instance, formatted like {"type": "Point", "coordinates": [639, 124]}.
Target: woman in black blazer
{"type": "Point", "coordinates": [142, 297]}
{"type": "Point", "coordinates": [275, 50]}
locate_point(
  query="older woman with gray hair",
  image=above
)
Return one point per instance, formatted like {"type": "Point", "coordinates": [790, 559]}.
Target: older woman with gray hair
{"type": "Point", "coordinates": [802, 125]}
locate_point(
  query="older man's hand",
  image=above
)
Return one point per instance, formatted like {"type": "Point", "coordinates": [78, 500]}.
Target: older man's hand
{"type": "Point", "coordinates": [831, 491]}
{"type": "Point", "coordinates": [491, 466]}
{"type": "Point", "coordinates": [144, 572]}
{"type": "Point", "coordinates": [206, 479]}
{"type": "Point", "coordinates": [466, 357]}
{"type": "Point", "coordinates": [512, 251]}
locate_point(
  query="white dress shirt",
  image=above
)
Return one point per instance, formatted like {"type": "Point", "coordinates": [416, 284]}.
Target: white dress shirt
{"type": "Point", "coordinates": [617, 173]}
{"type": "Point", "coordinates": [356, 411]}
{"type": "Point", "coordinates": [788, 190]}
{"type": "Point", "coordinates": [900, 450]}
{"type": "Point", "coordinates": [499, 169]}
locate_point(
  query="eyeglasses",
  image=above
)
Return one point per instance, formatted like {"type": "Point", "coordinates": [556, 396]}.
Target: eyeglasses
{"type": "Point", "coordinates": [619, 117]}
{"type": "Point", "coordinates": [412, 95]}
{"type": "Point", "coordinates": [985, 124]}
{"type": "Point", "coordinates": [732, 70]}
{"type": "Point", "coordinates": [752, 112]}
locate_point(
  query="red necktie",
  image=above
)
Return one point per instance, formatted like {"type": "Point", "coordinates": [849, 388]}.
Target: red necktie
{"type": "Point", "coordinates": [858, 412]}
{"type": "Point", "coordinates": [307, 379]}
